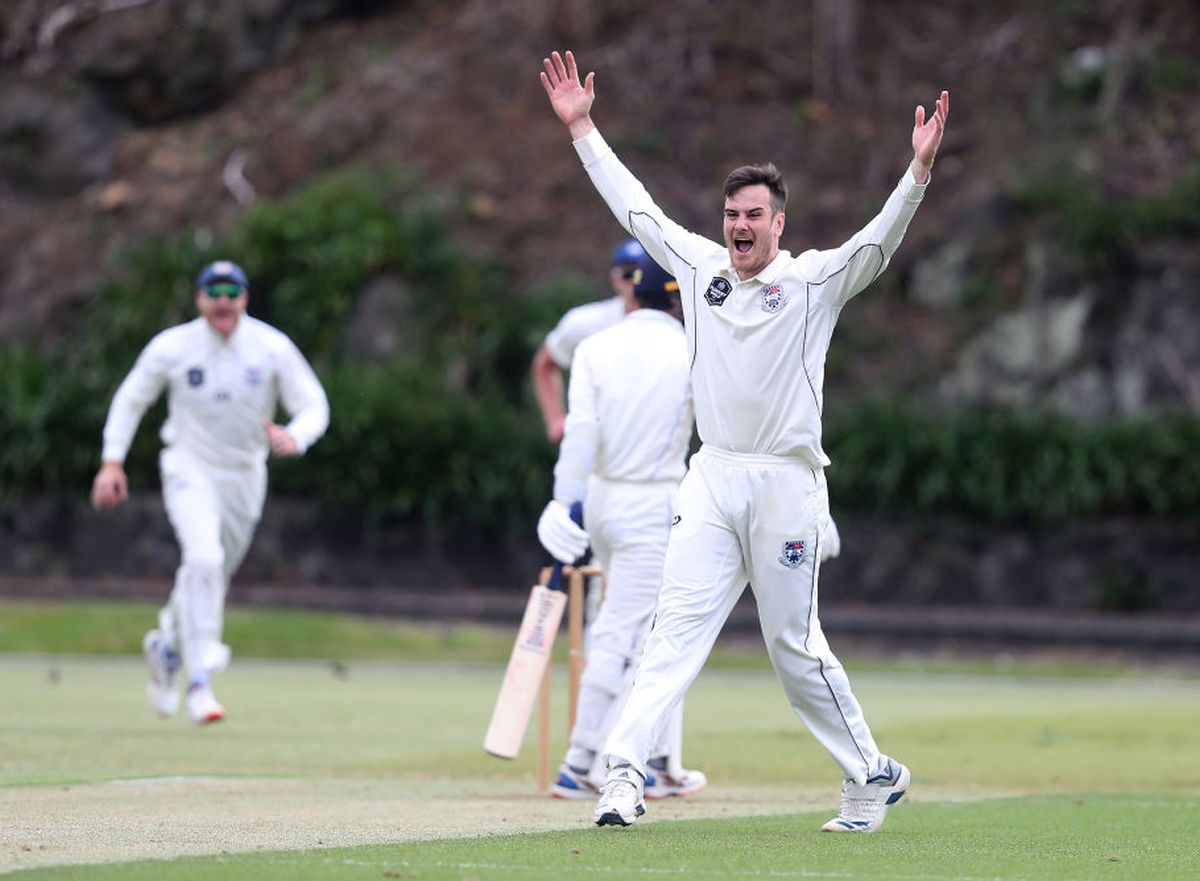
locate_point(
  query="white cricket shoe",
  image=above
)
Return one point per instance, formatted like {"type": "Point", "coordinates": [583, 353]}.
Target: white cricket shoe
{"type": "Point", "coordinates": [621, 798]}
{"type": "Point", "coordinates": [163, 688]}
{"type": "Point", "coordinates": [574, 784]}
{"type": "Point", "coordinates": [864, 807]}
{"type": "Point", "coordinates": [202, 706]}
{"type": "Point", "coordinates": [661, 784]}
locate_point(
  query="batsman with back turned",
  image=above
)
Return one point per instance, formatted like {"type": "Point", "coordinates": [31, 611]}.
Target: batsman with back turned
{"type": "Point", "coordinates": [754, 502]}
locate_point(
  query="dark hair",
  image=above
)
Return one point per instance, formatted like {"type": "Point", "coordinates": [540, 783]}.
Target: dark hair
{"type": "Point", "coordinates": [766, 173]}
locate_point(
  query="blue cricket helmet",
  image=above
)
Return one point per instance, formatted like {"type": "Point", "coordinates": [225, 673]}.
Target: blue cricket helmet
{"type": "Point", "coordinates": [222, 270]}
{"type": "Point", "coordinates": [654, 286]}
{"type": "Point", "coordinates": [629, 251]}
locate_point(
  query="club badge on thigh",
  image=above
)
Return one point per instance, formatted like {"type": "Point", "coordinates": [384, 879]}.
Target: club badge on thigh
{"type": "Point", "coordinates": [793, 555]}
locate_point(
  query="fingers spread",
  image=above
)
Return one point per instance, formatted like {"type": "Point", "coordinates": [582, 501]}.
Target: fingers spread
{"type": "Point", "coordinates": [920, 116]}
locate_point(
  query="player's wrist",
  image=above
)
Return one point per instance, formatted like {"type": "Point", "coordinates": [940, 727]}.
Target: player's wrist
{"type": "Point", "coordinates": [921, 170]}
{"type": "Point", "coordinates": [581, 128]}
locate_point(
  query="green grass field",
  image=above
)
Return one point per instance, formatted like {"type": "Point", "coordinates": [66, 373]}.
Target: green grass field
{"type": "Point", "coordinates": [337, 767]}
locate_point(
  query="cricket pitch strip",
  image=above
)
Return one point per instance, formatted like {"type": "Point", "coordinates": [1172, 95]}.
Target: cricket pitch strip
{"type": "Point", "coordinates": [166, 817]}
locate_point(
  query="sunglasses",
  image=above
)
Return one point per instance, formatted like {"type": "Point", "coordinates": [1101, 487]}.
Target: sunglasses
{"type": "Point", "coordinates": [224, 289]}
{"type": "Point", "coordinates": [629, 272]}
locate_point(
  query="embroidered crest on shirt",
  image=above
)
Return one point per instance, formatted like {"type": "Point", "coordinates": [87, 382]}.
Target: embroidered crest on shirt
{"type": "Point", "coordinates": [772, 298]}
{"type": "Point", "coordinates": [254, 374]}
{"type": "Point", "coordinates": [718, 289]}
{"type": "Point", "coordinates": [793, 554]}
{"type": "Point", "coordinates": [195, 376]}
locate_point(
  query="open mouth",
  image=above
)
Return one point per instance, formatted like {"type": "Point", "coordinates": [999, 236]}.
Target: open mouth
{"type": "Point", "coordinates": [742, 246]}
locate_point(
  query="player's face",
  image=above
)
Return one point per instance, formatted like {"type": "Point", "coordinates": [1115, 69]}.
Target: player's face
{"type": "Point", "coordinates": [752, 230]}
{"type": "Point", "coordinates": [220, 310]}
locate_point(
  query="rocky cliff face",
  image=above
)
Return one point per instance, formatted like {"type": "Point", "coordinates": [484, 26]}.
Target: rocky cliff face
{"type": "Point", "coordinates": [123, 118]}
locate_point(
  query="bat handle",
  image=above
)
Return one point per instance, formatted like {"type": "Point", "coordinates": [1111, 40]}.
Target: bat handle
{"type": "Point", "coordinates": [555, 581]}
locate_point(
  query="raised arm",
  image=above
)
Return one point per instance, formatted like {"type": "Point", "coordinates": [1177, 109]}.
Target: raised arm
{"type": "Point", "coordinates": [927, 137]}
{"type": "Point", "coordinates": [570, 98]}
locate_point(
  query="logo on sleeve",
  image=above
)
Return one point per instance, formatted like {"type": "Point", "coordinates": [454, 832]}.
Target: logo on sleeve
{"type": "Point", "coordinates": [772, 298]}
{"type": "Point", "coordinates": [195, 376]}
{"type": "Point", "coordinates": [718, 289]}
{"type": "Point", "coordinates": [793, 554]}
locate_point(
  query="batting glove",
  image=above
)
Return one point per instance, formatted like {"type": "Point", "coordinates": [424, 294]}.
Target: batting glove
{"type": "Point", "coordinates": [560, 535]}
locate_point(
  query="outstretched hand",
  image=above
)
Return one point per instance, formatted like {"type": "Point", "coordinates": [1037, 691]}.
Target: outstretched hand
{"type": "Point", "coordinates": [927, 136]}
{"type": "Point", "coordinates": [570, 98]}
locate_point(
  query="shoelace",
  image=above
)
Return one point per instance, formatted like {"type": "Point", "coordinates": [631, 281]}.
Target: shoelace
{"type": "Point", "coordinates": [619, 789]}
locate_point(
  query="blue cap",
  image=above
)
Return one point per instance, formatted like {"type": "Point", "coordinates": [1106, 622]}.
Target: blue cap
{"type": "Point", "coordinates": [222, 270]}
{"type": "Point", "coordinates": [654, 285]}
{"type": "Point", "coordinates": [629, 251]}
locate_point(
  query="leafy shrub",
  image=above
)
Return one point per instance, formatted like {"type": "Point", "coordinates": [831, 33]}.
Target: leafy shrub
{"type": "Point", "coordinates": [1001, 466]}
{"type": "Point", "coordinates": [1098, 228]}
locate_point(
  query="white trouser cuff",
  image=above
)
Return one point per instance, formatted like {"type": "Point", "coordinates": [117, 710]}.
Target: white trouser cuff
{"type": "Point", "coordinates": [198, 603]}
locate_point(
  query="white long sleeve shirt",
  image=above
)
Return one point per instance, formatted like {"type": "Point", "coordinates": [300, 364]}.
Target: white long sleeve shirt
{"type": "Point", "coordinates": [757, 346]}
{"type": "Point", "coordinates": [219, 391]}
{"type": "Point", "coordinates": [580, 323]}
{"type": "Point", "coordinates": [629, 406]}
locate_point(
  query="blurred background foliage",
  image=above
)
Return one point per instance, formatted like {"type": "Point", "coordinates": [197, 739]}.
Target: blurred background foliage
{"type": "Point", "coordinates": [442, 428]}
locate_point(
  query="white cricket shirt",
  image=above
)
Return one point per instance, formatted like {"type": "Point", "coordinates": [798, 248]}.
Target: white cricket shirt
{"type": "Point", "coordinates": [580, 323]}
{"type": "Point", "coordinates": [219, 391]}
{"type": "Point", "coordinates": [629, 406]}
{"type": "Point", "coordinates": [757, 346]}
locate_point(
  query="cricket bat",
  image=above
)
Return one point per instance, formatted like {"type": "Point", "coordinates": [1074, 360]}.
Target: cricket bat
{"type": "Point", "coordinates": [527, 663]}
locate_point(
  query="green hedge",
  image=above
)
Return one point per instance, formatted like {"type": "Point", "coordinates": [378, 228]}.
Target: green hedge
{"type": "Point", "coordinates": [1000, 466]}
{"type": "Point", "coordinates": [447, 433]}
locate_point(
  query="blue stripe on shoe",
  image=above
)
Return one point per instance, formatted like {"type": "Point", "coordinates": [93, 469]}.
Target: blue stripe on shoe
{"type": "Point", "coordinates": [567, 782]}
{"type": "Point", "coordinates": [853, 825]}
{"type": "Point", "coordinates": [895, 797]}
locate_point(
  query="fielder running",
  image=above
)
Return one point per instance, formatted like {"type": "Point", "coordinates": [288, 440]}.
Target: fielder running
{"type": "Point", "coordinates": [556, 353]}
{"type": "Point", "coordinates": [224, 373]}
{"type": "Point", "coordinates": [628, 427]}
{"type": "Point", "coordinates": [754, 502]}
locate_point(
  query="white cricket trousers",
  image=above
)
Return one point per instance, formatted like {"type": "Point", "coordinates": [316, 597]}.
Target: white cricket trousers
{"type": "Point", "coordinates": [214, 512]}
{"type": "Point", "coordinates": [628, 524]}
{"type": "Point", "coordinates": [746, 518]}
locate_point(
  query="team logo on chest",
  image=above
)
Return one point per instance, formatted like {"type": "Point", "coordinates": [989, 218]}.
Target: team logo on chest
{"type": "Point", "coordinates": [718, 289]}
{"type": "Point", "coordinates": [772, 298]}
{"type": "Point", "coordinates": [195, 376]}
{"type": "Point", "coordinates": [254, 375]}
{"type": "Point", "coordinates": [793, 554]}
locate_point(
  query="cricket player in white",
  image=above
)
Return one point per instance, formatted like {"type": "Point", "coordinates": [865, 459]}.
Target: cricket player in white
{"type": "Point", "coordinates": [224, 373]}
{"type": "Point", "coordinates": [558, 351]}
{"type": "Point", "coordinates": [751, 508]}
{"type": "Point", "coordinates": [628, 427]}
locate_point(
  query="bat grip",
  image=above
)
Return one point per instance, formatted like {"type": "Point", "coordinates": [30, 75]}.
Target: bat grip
{"type": "Point", "coordinates": [555, 580]}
